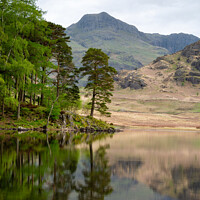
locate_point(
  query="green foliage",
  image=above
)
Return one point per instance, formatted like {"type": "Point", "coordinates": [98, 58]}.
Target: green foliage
{"type": "Point", "coordinates": [100, 79]}
{"type": "Point", "coordinates": [86, 107]}
{"type": "Point", "coordinates": [25, 111]}
{"type": "Point", "coordinates": [36, 67]}
{"type": "Point", "coordinates": [28, 44]}
{"type": "Point", "coordinates": [55, 112]}
{"type": "Point", "coordinates": [40, 110]}
{"type": "Point", "coordinates": [11, 103]}
{"type": "Point", "coordinates": [72, 106]}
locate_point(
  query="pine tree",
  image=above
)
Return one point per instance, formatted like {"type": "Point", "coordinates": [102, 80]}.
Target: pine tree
{"type": "Point", "coordinates": [62, 53]}
{"type": "Point", "coordinates": [66, 72]}
{"type": "Point", "coordinates": [100, 79]}
{"type": "Point", "coordinates": [17, 19]}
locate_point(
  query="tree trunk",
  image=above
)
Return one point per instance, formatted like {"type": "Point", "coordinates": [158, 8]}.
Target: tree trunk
{"type": "Point", "coordinates": [34, 96]}
{"type": "Point", "coordinates": [58, 81]}
{"type": "Point", "coordinates": [3, 108]}
{"type": "Point", "coordinates": [22, 95]}
{"type": "Point", "coordinates": [31, 94]}
{"type": "Point", "coordinates": [18, 110]}
{"type": "Point", "coordinates": [41, 98]}
{"type": "Point", "coordinates": [16, 87]}
{"type": "Point", "coordinates": [1, 151]}
{"type": "Point", "coordinates": [93, 101]}
{"type": "Point", "coordinates": [19, 104]}
{"type": "Point", "coordinates": [23, 91]}
{"type": "Point", "coordinates": [42, 91]}
{"type": "Point", "coordinates": [38, 100]}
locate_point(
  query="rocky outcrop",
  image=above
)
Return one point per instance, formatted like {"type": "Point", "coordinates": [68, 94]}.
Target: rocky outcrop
{"type": "Point", "coordinates": [180, 75]}
{"type": "Point", "coordinates": [192, 74]}
{"type": "Point", "coordinates": [191, 50]}
{"type": "Point", "coordinates": [130, 80]}
{"type": "Point", "coordinates": [180, 68]}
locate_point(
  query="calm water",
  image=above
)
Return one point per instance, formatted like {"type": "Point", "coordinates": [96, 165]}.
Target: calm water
{"type": "Point", "coordinates": [132, 165]}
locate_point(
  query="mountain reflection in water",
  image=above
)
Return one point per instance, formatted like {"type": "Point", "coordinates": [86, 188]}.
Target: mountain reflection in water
{"type": "Point", "coordinates": [135, 164]}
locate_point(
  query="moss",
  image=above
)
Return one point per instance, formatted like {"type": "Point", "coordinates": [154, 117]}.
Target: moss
{"type": "Point", "coordinates": [34, 121]}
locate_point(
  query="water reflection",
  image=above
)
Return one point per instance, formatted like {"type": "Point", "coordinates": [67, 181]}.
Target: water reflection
{"type": "Point", "coordinates": [136, 164]}
{"type": "Point", "coordinates": [166, 161]}
{"type": "Point", "coordinates": [37, 175]}
{"type": "Point", "coordinates": [96, 184]}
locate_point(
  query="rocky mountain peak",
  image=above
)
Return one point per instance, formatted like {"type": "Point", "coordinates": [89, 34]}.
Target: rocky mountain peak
{"type": "Point", "coordinates": [103, 20]}
{"type": "Point", "coordinates": [127, 47]}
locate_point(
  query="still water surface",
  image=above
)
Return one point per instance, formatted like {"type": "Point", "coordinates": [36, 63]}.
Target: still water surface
{"type": "Point", "coordinates": [132, 165]}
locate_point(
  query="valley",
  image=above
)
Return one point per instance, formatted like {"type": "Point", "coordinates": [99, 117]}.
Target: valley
{"type": "Point", "coordinates": [164, 93]}
{"type": "Point", "coordinates": [136, 109]}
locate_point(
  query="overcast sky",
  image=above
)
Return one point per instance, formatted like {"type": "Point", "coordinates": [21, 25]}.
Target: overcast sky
{"type": "Point", "coordinates": [149, 16]}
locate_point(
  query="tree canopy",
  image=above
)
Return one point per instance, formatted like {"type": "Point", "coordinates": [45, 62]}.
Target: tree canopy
{"type": "Point", "coordinates": [35, 59]}
{"type": "Point", "coordinates": [100, 79]}
{"type": "Point", "coordinates": [36, 64]}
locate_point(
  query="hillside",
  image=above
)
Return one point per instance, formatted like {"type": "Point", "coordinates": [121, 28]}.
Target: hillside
{"type": "Point", "coordinates": [127, 47]}
{"type": "Point", "coordinates": [171, 75]}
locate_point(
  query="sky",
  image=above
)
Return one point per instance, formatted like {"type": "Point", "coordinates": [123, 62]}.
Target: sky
{"type": "Point", "coordinates": [149, 16]}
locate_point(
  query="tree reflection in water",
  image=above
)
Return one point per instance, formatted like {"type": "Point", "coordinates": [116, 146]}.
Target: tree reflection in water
{"type": "Point", "coordinates": [97, 175]}
{"type": "Point", "coordinates": [36, 175]}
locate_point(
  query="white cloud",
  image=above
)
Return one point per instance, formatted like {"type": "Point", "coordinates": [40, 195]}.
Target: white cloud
{"type": "Point", "coordinates": [161, 16]}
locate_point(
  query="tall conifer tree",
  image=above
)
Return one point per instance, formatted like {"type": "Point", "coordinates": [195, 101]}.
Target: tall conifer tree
{"type": "Point", "coordinates": [100, 79]}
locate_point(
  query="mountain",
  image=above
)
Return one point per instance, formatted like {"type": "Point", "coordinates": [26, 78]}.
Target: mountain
{"type": "Point", "coordinates": [174, 42]}
{"type": "Point", "coordinates": [170, 75]}
{"type": "Point", "coordinates": [127, 47]}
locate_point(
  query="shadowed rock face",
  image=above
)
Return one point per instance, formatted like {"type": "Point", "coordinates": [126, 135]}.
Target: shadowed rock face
{"type": "Point", "coordinates": [191, 50]}
{"type": "Point", "coordinates": [173, 42]}
{"type": "Point", "coordinates": [192, 56]}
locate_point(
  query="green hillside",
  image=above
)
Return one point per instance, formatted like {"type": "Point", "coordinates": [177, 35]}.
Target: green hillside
{"type": "Point", "coordinates": [127, 47]}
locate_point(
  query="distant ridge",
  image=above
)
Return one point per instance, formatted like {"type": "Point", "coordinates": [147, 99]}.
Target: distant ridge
{"type": "Point", "coordinates": [127, 47]}
{"type": "Point", "coordinates": [173, 42]}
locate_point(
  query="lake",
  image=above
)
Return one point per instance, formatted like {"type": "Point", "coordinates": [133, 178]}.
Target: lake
{"type": "Point", "coordinates": [138, 164]}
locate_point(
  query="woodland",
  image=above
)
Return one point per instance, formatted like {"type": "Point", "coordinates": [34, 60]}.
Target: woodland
{"type": "Point", "coordinates": [37, 70]}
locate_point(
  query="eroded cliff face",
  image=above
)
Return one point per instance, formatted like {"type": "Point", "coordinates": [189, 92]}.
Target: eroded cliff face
{"type": "Point", "coordinates": [166, 73]}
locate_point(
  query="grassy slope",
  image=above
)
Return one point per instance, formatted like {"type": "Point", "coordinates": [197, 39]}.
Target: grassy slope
{"type": "Point", "coordinates": [123, 48]}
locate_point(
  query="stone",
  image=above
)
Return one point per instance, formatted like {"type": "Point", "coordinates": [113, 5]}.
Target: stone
{"type": "Point", "coordinates": [193, 80]}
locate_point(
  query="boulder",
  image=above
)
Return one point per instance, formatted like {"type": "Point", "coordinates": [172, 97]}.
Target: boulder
{"type": "Point", "coordinates": [193, 80]}
{"type": "Point", "coordinates": [133, 81]}
{"type": "Point", "coordinates": [192, 73]}
{"type": "Point", "coordinates": [196, 64]}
